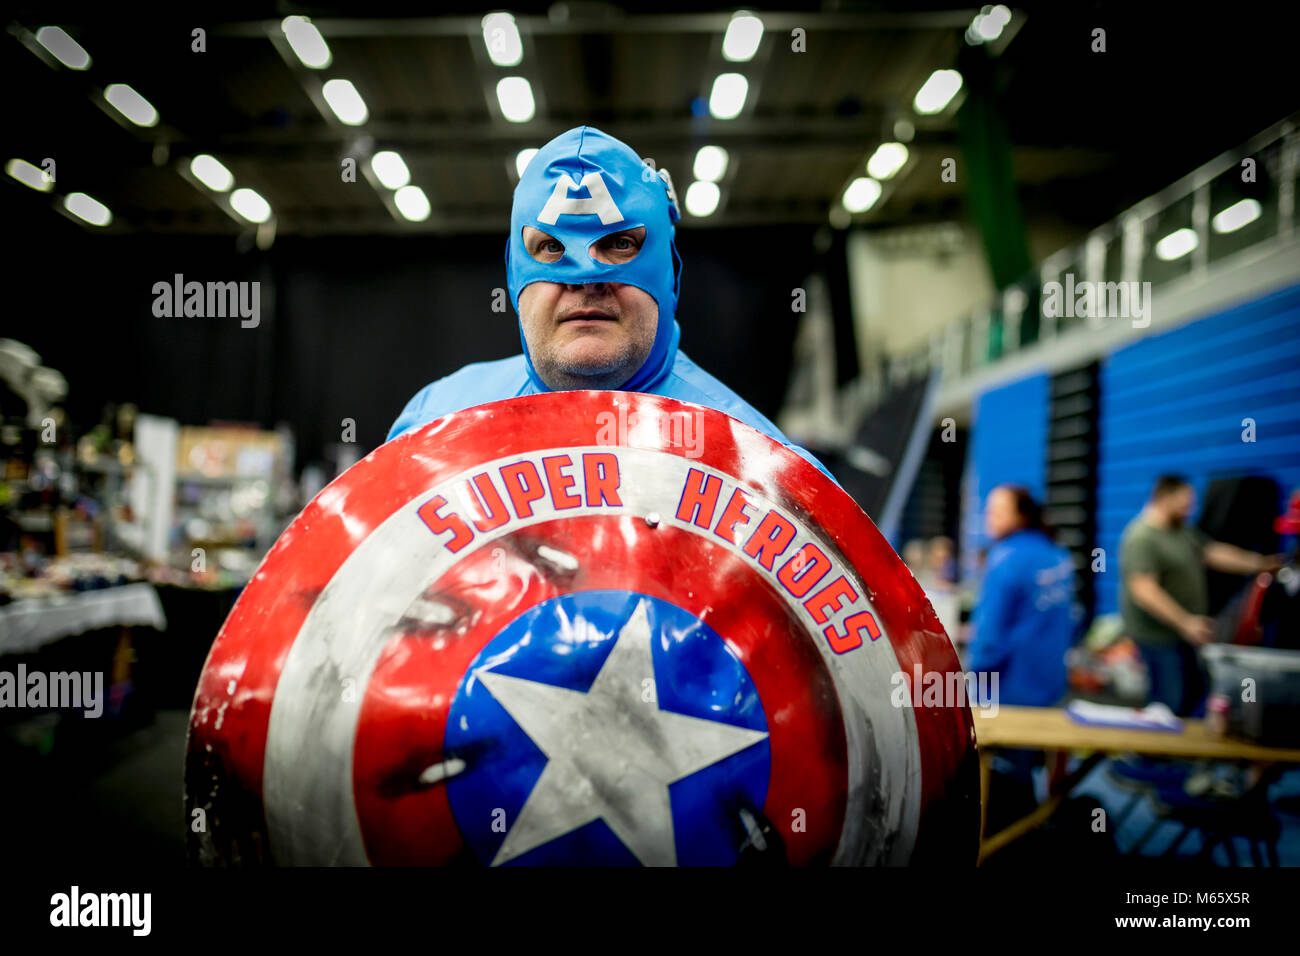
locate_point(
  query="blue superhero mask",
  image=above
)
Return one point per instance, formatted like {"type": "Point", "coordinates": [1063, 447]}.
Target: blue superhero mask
{"type": "Point", "coordinates": [578, 188]}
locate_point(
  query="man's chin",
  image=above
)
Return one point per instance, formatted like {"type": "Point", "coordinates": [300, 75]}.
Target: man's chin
{"type": "Point", "coordinates": [601, 375]}
{"type": "Point", "coordinates": [590, 359]}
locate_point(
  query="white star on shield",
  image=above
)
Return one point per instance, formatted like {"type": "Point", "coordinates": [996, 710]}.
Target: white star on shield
{"type": "Point", "coordinates": [610, 754]}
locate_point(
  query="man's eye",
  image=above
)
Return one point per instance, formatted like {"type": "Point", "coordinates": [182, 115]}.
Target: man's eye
{"type": "Point", "coordinates": [616, 248]}
{"type": "Point", "coordinates": [546, 246]}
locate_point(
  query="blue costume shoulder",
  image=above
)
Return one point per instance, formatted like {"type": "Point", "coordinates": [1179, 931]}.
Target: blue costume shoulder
{"type": "Point", "coordinates": [484, 382]}
{"type": "Point", "coordinates": [475, 384]}
{"type": "Point", "coordinates": [690, 383]}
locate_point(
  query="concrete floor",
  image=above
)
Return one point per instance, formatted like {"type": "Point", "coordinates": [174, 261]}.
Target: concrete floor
{"type": "Point", "coordinates": [128, 811]}
{"type": "Point", "coordinates": [125, 810]}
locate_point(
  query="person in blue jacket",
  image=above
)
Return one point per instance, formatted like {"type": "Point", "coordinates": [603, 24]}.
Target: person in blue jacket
{"type": "Point", "coordinates": [1024, 622]}
{"type": "Point", "coordinates": [1026, 617]}
{"type": "Point", "coordinates": [594, 275]}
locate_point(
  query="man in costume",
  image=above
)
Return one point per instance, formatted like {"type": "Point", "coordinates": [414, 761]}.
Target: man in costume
{"type": "Point", "coordinates": [594, 275]}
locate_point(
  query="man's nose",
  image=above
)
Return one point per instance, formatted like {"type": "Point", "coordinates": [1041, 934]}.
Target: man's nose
{"type": "Point", "coordinates": [597, 287]}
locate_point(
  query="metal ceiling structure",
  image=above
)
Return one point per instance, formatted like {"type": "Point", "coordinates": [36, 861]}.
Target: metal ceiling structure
{"type": "Point", "coordinates": [810, 120]}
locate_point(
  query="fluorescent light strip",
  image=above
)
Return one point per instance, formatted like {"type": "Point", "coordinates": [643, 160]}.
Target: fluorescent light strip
{"type": "Point", "coordinates": [306, 42]}
{"type": "Point", "coordinates": [390, 169]}
{"type": "Point", "coordinates": [63, 48]}
{"type": "Point", "coordinates": [501, 37]}
{"type": "Point", "coordinates": [988, 25]}
{"type": "Point", "coordinates": [88, 209]}
{"type": "Point", "coordinates": [345, 101]}
{"type": "Point", "coordinates": [523, 158]}
{"type": "Point", "coordinates": [887, 160]}
{"type": "Point", "coordinates": [211, 173]}
{"type": "Point", "coordinates": [710, 164]}
{"type": "Point", "coordinates": [250, 205]}
{"type": "Point", "coordinates": [741, 40]}
{"type": "Point", "coordinates": [1177, 244]}
{"type": "Point", "coordinates": [727, 98]}
{"type": "Point", "coordinates": [515, 95]}
{"type": "Point", "coordinates": [937, 92]}
{"type": "Point", "coordinates": [861, 195]}
{"type": "Point", "coordinates": [702, 198]}
{"type": "Point", "coordinates": [412, 203]}
{"type": "Point", "coordinates": [1239, 214]}
{"type": "Point", "coordinates": [131, 104]}
{"type": "Point", "coordinates": [28, 175]}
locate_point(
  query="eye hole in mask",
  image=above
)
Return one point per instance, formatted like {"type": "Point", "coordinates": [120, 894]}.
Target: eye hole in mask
{"type": "Point", "coordinates": [614, 249]}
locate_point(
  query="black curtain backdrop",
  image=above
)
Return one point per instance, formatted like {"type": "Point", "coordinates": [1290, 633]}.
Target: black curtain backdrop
{"type": "Point", "coordinates": [350, 327]}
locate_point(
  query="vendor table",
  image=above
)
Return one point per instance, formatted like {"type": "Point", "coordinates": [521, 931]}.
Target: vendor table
{"type": "Point", "coordinates": [1050, 729]}
{"type": "Point", "coordinates": [28, 625]}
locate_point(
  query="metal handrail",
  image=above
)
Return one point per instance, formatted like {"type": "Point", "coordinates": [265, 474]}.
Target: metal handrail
{"type": "Point", "coordinates": [955, 348]}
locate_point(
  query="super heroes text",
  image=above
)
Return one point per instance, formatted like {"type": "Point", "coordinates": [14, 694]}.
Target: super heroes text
{"type": "Point", "coordinates": [500, 496]}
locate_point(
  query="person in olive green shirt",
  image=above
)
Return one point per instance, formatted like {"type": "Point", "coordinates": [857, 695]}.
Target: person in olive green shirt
{"type": "Point", "coordinates": [1163, 595]}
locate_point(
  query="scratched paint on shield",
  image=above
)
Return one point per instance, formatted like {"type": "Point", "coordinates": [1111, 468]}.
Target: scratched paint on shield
{"type": "Point", "coordinates": [465, 516]}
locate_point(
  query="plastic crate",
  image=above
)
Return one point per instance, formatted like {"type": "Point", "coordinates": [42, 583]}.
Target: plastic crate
{"type": "Point", "coordinates": [1272, 717]}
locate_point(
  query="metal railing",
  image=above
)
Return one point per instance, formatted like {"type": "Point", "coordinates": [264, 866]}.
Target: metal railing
{"type": "Point", "coordinates": [1126, 251]}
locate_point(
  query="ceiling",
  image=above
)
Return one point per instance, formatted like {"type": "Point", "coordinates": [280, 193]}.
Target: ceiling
{"type": "Point", "coordinates": [1091, 132]}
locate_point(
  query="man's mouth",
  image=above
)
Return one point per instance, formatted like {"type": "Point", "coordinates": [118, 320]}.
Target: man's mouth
{"type": "Point", "coordinates": [588, 314]}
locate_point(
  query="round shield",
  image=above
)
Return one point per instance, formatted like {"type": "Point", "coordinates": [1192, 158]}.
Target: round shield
{"type": "Point", "coordinates": [598, 628]}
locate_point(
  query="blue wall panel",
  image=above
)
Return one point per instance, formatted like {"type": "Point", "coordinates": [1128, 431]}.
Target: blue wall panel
{"type": "Point", "coordinates": [1008, 446]}
{"type": "Point", "coordinates": [1010, 435]}
{"type": "Point", "coordinates": [1175, 402]}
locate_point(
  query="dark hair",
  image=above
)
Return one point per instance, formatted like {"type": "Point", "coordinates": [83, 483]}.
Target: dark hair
{"type": "Point", "coordinates": [1167, 485]}
{"type": "Point", "coordinates": [1029, 510]}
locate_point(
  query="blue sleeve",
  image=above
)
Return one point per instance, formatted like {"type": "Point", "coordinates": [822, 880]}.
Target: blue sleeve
{"type": "Point", "coordinates": [410, 416]}
{"type": "Point", "coordinates": [994, 617]}
{"type": "Point", "coordinates": [690, 383]}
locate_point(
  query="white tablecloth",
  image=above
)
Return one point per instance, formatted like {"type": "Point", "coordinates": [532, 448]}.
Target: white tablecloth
{"type": "Point", "coordinates": [27, 625]}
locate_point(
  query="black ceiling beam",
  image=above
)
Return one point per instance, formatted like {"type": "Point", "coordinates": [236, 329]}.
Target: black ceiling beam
{"type": "Point", "coordinates": [461, 220]}
{"type": "Point", "coordinates": [417, 137]}
{"type": "Point", "coordinates": [663, 23]}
